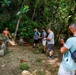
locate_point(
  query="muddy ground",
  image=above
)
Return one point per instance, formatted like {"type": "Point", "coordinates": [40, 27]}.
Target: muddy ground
{"type": "Point", "coordinates": [9, 64]}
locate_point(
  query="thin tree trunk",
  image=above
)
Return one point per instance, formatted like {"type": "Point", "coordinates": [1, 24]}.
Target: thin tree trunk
{"type": "Point", "coordinates": [18, 22]}
{"type": "Point", "coordinates": [35, 10]}
{"type": "Point", "coordinates": [17, 26]}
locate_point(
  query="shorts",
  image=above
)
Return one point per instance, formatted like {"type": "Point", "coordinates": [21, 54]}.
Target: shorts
{"type": "Point", "coordinates": [62, 71]}
{"type": "Point", "coordinates": [44, 42]}
{"type": "Point", "coordinates": [36, 41]}
{"type": "Point", "coordinates": [50, 47]}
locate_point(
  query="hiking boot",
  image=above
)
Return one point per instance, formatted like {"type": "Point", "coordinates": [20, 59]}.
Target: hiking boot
{"type": "Point", "coordinates": [50, 56]}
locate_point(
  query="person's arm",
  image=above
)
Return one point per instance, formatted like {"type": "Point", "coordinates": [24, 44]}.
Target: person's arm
{"type": "Point", "coordinates": [48, 39]}
{"type": "Point", "coordinates": [65, 46]}
{"type": "Point", "coordinates": [39, 35]}
{"type": "Point", "coordinates": [63, 49]}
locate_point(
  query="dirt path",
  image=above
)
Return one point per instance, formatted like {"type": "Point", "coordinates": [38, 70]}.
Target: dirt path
{"type": "Point", "coordinates": [9, 64]}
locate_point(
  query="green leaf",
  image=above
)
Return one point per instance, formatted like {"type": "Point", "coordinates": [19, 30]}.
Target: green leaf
{"type": "Point", "coordinates": [25, 9]}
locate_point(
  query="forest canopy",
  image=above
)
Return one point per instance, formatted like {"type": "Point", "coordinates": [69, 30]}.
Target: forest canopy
{"type": "Point", "coordinates": [28, 14]}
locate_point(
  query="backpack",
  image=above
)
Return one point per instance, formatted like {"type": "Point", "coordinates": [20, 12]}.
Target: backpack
{"type": "Point", "coordinates": [38, 33]}
{"type": "Point", "coordinates": [73, 55]}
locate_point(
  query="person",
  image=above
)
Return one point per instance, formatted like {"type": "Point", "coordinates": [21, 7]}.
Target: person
{"type": "Point", "coordinates": [50, 42]}
{"type": "Point", "coordinates": [68, 66]}
{"type": "Point", "coordinates": [7, 34]}
{"type": "Point", "coordinates": [43, 40]}
{"type": "Point", "coordinates": [36, 37]}
{"type": "Point", "coordinates": [9, 40]}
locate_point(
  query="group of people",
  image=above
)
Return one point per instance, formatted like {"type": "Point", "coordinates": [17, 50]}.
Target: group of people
{"type": "Point", "coordinates": [47, 37]}
{"type": "Point", "coordinates": [68, 65]}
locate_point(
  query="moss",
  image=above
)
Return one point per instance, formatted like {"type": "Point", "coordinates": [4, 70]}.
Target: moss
{"type": "Point", "coordinates": [39, 60]}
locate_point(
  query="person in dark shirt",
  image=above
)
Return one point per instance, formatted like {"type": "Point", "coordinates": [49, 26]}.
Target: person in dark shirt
{"type": "Point", "coordinates": [36, 37]}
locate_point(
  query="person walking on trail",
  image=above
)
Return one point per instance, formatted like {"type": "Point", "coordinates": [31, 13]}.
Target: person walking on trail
{"type": "Point", "coordinates": [50, 42]}
{"type": "Point", "coordinates": [43, 40]}
{"type": "Point", "coordinates": [68, 66]}
{"type": "Point", "coordinates": [36, 37]}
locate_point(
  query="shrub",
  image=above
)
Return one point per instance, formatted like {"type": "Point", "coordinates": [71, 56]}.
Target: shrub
{"type": "Point", "coordinates": [24, 66]}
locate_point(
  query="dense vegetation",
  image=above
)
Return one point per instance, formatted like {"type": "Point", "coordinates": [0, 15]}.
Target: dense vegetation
{"type": "Point", "coordinates": [27, 14]}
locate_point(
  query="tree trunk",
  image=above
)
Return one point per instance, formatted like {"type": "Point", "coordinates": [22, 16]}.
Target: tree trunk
{"type": "Point", "coordinates": [17, 26]}
{"type": "Point", "coordinates": [34, 10]}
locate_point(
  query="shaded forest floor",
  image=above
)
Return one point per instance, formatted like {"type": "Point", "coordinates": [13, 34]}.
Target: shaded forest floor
{"type": "Point", "coordinates": [9, 64]}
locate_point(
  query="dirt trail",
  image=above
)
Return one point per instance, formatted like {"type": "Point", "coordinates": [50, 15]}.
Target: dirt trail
{"type": "Point", "coordinates": [9, 64]}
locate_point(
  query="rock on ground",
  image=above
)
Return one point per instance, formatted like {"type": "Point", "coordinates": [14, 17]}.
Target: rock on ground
{"type": "Point", "coordinates": [25, 72]}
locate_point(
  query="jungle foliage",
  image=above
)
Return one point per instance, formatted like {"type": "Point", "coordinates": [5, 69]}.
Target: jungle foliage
{"type": "Point", "coordinates": [57, 14]}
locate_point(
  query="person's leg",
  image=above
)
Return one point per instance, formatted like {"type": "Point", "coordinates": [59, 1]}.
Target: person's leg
{"type": "Point", "coordinates": [50, 49]}
{"type": "Point", "coordinates": [44, 48]}
{"type": "Point", "coordinates": [34, 43]}
{"type": "Point", "coordinates": [44, 45]}
{"type": "Point", "coordinates": [65, 72]}
{"type": "Point", "coordinates": [37, 43]}
{"type": "Point", "coordinates": [51, 53]}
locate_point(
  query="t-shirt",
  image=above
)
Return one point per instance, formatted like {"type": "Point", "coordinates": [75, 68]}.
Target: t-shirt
{"type": "Point", "coordinates": [36, 35]}
{"type": "Point", "coordinates": [51, 36]}
{"type": "Point", "coordinates": [67, 61]}
{"type": "Point", "coordinates": [43, 35]}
